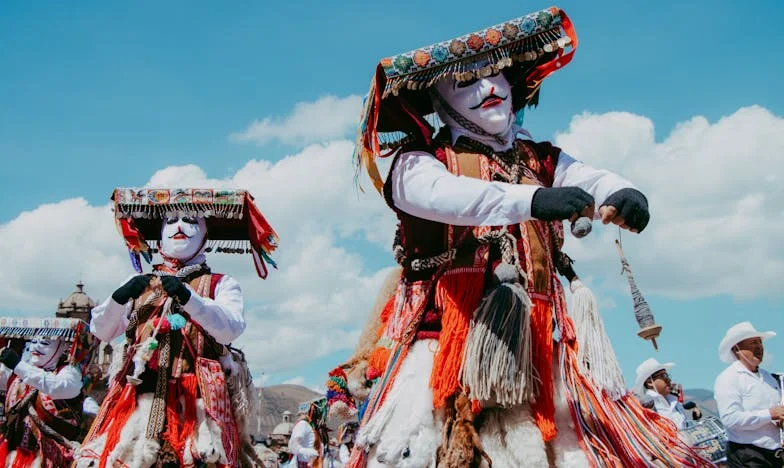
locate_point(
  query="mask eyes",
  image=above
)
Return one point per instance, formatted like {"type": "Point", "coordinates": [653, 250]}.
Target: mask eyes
{"type": "Point", "coordinates": [185, 219]}
{"type": "Point", "coordinates": [465, 84]}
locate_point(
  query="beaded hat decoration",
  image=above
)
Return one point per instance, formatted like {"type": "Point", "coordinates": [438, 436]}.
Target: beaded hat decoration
{"type": "Point", "coordinates": [526, 49]}
{"type": "Point", "coordinates": [234, 222]}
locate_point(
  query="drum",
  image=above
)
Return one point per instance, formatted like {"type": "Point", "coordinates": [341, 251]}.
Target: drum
{"type": "Point", "coordinates": [708, 437]}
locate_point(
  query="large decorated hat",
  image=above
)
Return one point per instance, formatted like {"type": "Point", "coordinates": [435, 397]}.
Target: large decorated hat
{"type": "Point", "coordinates": [234, 223]}
{"type": "Point", "coordinates": [71, 330]}
{"type": "Point", "coordinates": [526, 49]}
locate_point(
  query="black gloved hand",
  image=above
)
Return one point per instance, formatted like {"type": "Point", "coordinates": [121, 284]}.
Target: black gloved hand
{"type": "Point", "coordinates": [558, 203]}
{"type": "Point", "coordinates": [9, 358]}
{"type": "Point", "coordinates": [132, 289]}
{"type": "Point", "coordinates": [174, 288]}
{"type": "Point", "coordinates": [631, 205]}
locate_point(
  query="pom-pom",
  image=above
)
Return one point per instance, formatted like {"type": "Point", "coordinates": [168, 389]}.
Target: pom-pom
{"type": "Point", "coordinates": [176, 321]}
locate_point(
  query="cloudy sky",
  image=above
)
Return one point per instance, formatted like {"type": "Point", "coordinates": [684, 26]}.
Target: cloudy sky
{"type": "Point", "coordinates": [683, 99]}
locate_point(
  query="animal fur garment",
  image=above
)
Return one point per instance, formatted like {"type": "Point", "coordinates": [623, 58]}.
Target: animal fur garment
{"type": "Point", "coordinates": [511, 438]}
{"type": "Point", "coordinates": [133, 448]}
{"type": "Point", "coordinates": [356, 366]}
{"type": "Point", "coordinates": [460, 445]}
{"type": "Point", "coordinates": [405, 432]}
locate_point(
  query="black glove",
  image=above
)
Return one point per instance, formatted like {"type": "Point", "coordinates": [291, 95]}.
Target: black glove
{"type": "Point", "coordinates": [632, 206]}
{"type": "Point", "coordinates": [174, 288]}
{"type": "Point", "coordinates": [132, 289]}
{"type": "Point", "coordinates": [9, 358]}
{"type": "Point", "coordinates": [558, 203]}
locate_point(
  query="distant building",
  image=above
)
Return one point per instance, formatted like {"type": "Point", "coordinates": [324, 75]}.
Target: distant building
{"type": "Point", "coordinates": [282, 432]}
{"type": "Point", "coordinates": [78, 305]}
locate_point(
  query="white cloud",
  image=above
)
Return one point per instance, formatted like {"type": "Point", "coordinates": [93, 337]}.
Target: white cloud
{"type": "Point", "coordinates": [324, 119]}
{"type": "Point", "coordinates": [714, 194]}
{"type": "Point", "coordinates": [299, 380]}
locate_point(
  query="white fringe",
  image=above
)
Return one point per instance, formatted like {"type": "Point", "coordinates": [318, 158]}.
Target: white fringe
{"type": "Point", "coordinates": [595, 354]}
{"type": "Point", "coordinates": [497, 365]}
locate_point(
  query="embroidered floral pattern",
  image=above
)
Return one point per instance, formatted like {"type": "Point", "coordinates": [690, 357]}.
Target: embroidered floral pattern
{"type": "Point", "coordinates": [492, 37]}
{"type": "Point", "coordinates": [475, 42]}
{"type": "Point", "coordinates": [457, 48]}
{"type": "Point", "coordinates": [421, 58]}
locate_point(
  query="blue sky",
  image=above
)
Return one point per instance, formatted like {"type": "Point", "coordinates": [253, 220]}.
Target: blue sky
{"type": "Point", "coordinates": [99, 94]}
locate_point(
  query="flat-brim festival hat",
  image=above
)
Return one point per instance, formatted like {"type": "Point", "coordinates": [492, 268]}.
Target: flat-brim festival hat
{"type": "Point", "coordinates": [75, 332]}
{"type": "Point", "coordinates": [647, 369]}
{"type": "Point", "coordinates": [234, 223]}
{"type": "Point", "coordinates": [737, 333]}
{"type": "Point", "coordinates": [397, 108]}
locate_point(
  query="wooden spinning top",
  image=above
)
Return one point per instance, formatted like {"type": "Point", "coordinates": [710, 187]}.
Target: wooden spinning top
{"type": "Point", "coordinates": [649, 329]}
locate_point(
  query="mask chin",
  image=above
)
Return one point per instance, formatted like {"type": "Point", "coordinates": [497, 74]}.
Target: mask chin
{"type": "Point", "coordinates": [471, 102]}
{"type": "Point", "coordinates": [183, 238]}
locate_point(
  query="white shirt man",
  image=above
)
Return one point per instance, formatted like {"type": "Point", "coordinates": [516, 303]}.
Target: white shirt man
{"type": "Point", "coordinates": [653, 382]}
{"type": "Point", "coordinates": [748, 399]}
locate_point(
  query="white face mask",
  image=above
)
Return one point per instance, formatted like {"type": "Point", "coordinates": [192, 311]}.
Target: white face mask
{"type": "Point", "coordinates": [183, 237]}
{"type": "Point", "coordinates": [487, 102]}
{"type": "Point", "coordinates": [45, 352]}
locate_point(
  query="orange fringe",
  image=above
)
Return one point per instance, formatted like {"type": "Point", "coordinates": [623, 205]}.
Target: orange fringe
{"type": "Point", "coordinates": [543, 408]}
{"type": "Point", "coordinates": [188, 388]}
{"type": "Point", "coordinates": [379, 358]}
{"type": "Point", "coordinates": [457, 296]}
{"type": "Point", "coordinates": [116, 420]}
{"type": "Point", "coordinates": [386, 312]}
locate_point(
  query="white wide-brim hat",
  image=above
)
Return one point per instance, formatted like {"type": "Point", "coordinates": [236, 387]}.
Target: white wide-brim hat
{"type": "Point", "coordinates": [647, 369]}
{"type": "Point", "coordinates": [737, 333]}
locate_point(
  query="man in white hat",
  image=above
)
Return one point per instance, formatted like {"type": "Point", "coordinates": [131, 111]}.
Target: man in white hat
{"type": "Point", "coordinates": [653, 383]}
{"type": "Point", "coordinates": [748, 399]}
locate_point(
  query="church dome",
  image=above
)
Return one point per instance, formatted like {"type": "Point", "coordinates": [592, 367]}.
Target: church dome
{"type": "Point", "coordinates": [285, 427]}
{"type": "Point", "coordinates": [77, 305]}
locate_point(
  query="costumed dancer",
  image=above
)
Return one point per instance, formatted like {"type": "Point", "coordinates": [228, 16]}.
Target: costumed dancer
{"type": "Point", "coordinates": [181, 395]}
{"type": "Point", "coordinates": [470, 374]}
{"type": "Point", "coordinates": [43, 399]}
{"type": "Point", "coordinates": [309, 436]}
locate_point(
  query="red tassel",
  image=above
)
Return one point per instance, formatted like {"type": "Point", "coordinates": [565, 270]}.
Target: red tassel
{"type": "Point", "coordinates": [188, 387]}
{"type": "Point", "coordinates": [542, 336]}
{"type": "Point", "coordinates": [3, 450]}
{"type": "Point", "coordinates": [117, 418]}
{"type": "Point", "coordinates": [24, 458]}
{"type": "Point", "coordinates": [172, 433]}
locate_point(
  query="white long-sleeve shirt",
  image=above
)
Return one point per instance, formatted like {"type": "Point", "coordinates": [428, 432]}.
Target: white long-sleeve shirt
{"type": "Point", "coordinates": [302, 442]}
{"type": "Point", "coordinates": [61, 385]}
{"type": "Point", "coordinates": [744, 400]}
{"type": "Point", "coordinates": [423, 187]}
{"type": "Point", "coordinates": [222, 317]}
{"type": "Point", "coordinates": [669, 407]}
